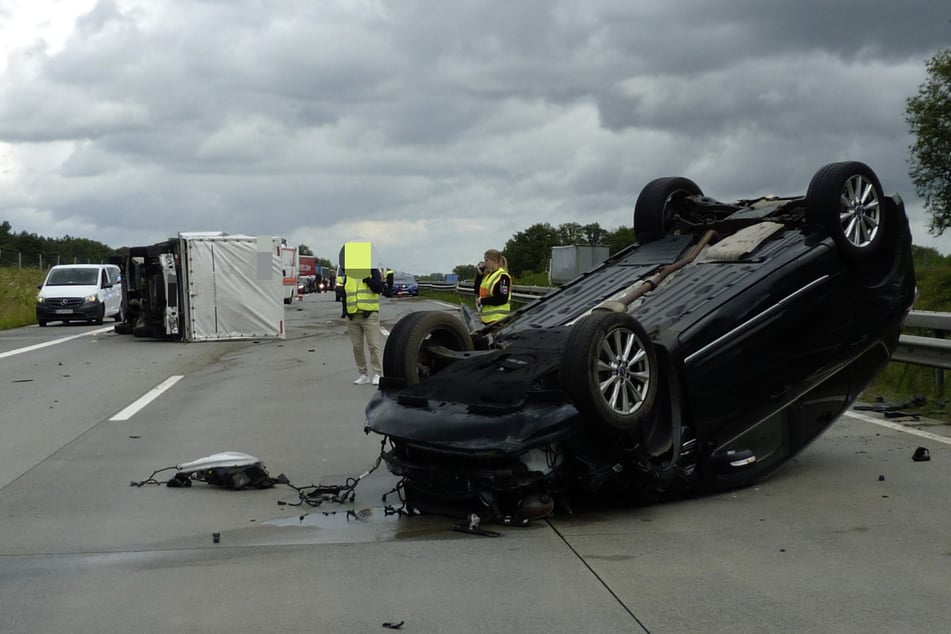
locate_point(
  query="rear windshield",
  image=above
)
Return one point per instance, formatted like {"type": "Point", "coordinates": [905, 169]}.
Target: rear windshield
{"type": "Point", "coordinates": [73, 277]}
{"type": "Point", "coordinates": [406, 278]}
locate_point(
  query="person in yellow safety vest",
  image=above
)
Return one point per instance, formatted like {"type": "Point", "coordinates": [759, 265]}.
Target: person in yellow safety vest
{"type": "Point", "coordinates": [361, 308]}
{"type": "Point", "coordinates": [388, 281]}
{"type": "Point", "coordinates": [495, 287]}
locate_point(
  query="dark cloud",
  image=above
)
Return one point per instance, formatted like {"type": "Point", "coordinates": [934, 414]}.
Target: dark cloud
{"type": "Point", "coordinates": [442, 128]}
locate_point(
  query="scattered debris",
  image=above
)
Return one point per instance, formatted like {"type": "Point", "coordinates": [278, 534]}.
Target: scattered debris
{"type": "Point", "coordinates": [472, 527]}
{"type": "Point", "coordinates": [394, 626]}
{"type": "Point", "coordinates": [890, 409]}
{"type": "Point", "coordinates": [921, 455]}
{"type": "Point", "coordinates": [881, 478]}
{"type": "Point", "coordinates": [216, 537]}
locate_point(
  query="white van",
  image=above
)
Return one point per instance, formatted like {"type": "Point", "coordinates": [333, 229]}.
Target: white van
{"type": "Point", "coordinates": [80, 292]}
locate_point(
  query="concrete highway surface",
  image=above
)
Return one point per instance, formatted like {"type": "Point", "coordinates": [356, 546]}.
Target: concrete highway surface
{"type": "Point", "coordinates": [852, 536]}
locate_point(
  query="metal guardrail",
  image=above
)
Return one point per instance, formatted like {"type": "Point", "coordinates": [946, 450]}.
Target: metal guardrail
{"type": "Point", "coordinates": [932, 352]}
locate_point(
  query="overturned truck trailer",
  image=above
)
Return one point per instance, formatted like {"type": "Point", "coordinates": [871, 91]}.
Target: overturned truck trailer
{"type": "Point", "coordinates": [206, 286]}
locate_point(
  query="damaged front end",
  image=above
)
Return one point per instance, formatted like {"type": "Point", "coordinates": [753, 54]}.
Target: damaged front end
{"type": "Point", "coordinates": [509, 489]}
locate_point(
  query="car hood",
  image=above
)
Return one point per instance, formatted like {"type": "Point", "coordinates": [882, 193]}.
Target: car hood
{"type": "Point", "coordinates": [69, 291]}
{"type": "Point", "coordinates": [502, 400]}
{"type": "Point", "coordinates": [453, 426]}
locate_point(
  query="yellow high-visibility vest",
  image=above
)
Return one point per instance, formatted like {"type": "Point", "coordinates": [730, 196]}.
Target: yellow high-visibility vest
{"type": "Point", "coordinates": [491, 313]}
{"type": "Point", "coordinates": [357, 261]}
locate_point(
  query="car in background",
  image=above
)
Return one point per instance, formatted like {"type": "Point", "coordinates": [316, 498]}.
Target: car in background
{"type": "Point", "coordinates": [701, 358]}
{"type": "Point", "coordinates": [404, 284]}
{"type": "Point", "coordinates": [80, 292]}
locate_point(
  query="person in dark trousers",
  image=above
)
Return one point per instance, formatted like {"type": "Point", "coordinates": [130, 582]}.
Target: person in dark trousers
{"type": "Point", "coordinates": [494, 285]}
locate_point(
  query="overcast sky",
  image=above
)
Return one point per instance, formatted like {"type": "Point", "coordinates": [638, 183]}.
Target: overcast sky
{"type": "Point", "coordinates": [438, 129]}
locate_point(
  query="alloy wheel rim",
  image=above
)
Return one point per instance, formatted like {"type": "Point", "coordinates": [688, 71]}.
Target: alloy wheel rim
{"type": "Point", "coordinates": [623, 371]}
{"type": "Point", "coordinates": [861, 212]}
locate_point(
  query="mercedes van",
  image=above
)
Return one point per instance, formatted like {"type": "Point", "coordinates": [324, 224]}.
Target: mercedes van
{"type": "Point", "coordinates": [80, 292]}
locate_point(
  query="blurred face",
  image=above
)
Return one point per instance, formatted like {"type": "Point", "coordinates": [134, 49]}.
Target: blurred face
{"type": "Point", "coordinates": [491, 264]}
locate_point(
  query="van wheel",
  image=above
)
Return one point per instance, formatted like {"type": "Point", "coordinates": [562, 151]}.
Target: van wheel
{"type": "Point", "coordinates": [102, 315]}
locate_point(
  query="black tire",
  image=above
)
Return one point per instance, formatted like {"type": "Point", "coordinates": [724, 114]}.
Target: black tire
{"type": "Point", "coordinates": [118, 316]}
{"type": "Point", "coordinates": [406, 355]}
{"type": "Point", "coordinates": [653, 213]}
{"type": "Point", "coordinates": [102, 315]}
{"type": "Point", "coordinates": [610, 369]}
{"type": "Point", "coordinates": [846, 198]}
{"type": "Point", "coordinates": [42, 323]}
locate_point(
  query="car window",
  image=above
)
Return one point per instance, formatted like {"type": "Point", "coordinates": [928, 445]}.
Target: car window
{"type": "Point", "coordinates": [72, 277]}
{"type": "Point", "coordinates": [405, 278]}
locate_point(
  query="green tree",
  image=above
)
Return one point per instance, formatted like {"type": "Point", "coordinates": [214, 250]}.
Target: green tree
{"type": "Point", "coordinates": [528, 251]}
{"type": "Point", "coordinates": [303, 249]}
{"type": "Point", "coordinates": [620, 238]}
{"type": "Point", "coordinates": [929, 116]}
{"type": "Point", "coordinates": [465, 271]}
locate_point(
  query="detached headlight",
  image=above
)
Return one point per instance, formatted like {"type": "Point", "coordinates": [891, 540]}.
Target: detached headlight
{"type": "Point", "coordinates": [91, 299]}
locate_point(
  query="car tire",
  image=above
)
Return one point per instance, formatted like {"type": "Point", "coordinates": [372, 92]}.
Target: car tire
{"type": "Point", "coordinates": [405, 355]}
{"type": "Point", "coordinates": [846, 198]}
{"type": "Point", "coordinates": [102, 316]}
{"type": "Point", "coordinates": [609, 369]}
{"type": "Point", "coordinates": [653, 213]}
{"type": "Point", "coordinates": [42, 323]}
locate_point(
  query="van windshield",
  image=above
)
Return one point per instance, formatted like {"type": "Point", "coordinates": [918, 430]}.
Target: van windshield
{"type": "Point", "coordinates": [73, 277]}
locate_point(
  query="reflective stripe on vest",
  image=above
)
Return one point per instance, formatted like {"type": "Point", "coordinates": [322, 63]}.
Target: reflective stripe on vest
{"type": "Point", "coordinates": [491, 313]}
{"type": "Point", "coordinates": [359, 297]}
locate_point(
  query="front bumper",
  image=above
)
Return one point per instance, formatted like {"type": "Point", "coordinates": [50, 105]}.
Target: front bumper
{"type": "Point", "coordinates": [86, 310]}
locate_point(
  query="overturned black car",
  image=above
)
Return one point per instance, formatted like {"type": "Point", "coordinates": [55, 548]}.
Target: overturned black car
{"type": "Point", "coordinates": [701, 358]}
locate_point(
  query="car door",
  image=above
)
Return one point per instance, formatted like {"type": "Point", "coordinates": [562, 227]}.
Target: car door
{"type": "Point", "coordinates": [112, 290]}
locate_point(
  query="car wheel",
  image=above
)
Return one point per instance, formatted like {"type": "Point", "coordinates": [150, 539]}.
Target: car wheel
{"type": "Point", "coordinates": [846, 198]}
{"type": "Point", "coordinates": [407, 353]}
{"type": "Point", "coordinates": [102, 315]}
{"type": "Point", "coordinates": [653, 211]}
{"type": "Point", "coordinates": [609, 369]}
{"type": "Point", "coordinates": [42, 323]}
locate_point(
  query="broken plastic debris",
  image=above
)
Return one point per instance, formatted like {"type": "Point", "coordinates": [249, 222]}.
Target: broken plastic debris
{"type": "Point", "coordinates": [921, 455]}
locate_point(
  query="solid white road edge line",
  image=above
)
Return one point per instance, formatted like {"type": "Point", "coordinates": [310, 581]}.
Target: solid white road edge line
{"type": "Point", "coordinates": [147, 398]}
{"type": "Point", "coordinates": [899, 427]}
{"type": "Point", "coordinates": [10, 353]}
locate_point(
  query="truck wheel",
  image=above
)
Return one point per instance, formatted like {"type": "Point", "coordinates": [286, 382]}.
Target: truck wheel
{"type": "Point", "coordinates": [655, 207]}
{"type": "Point", "coordinates": [609, 369]}
{"type": "Point", "coordinates": [408, 353]}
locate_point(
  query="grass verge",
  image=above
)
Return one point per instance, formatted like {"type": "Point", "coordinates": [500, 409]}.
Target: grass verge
{"type": "Point", "coordinates": [18, 296]}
